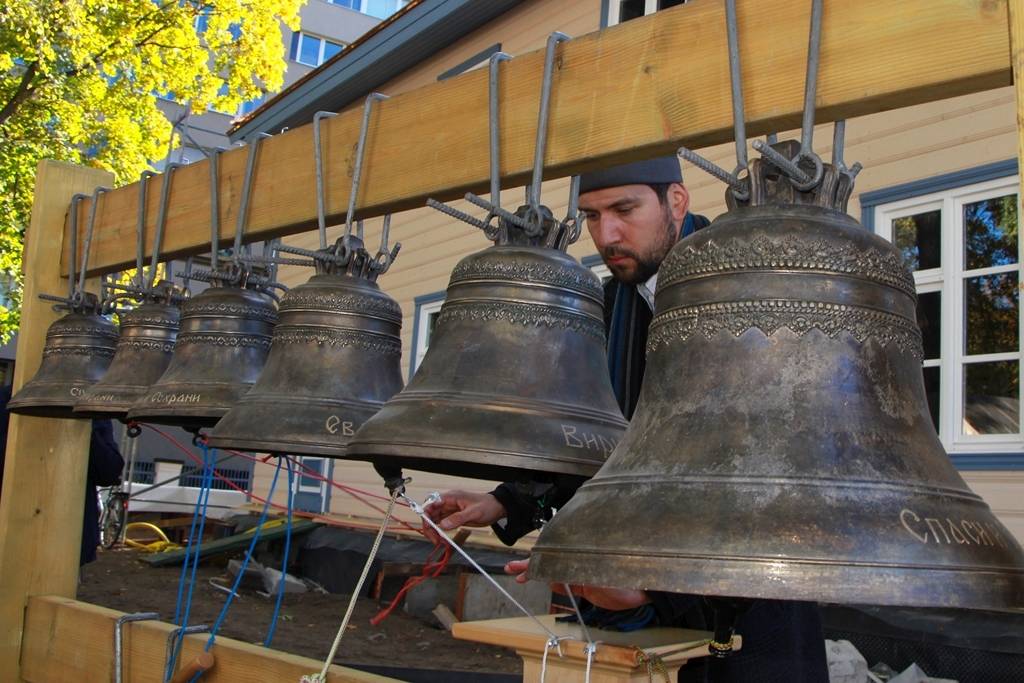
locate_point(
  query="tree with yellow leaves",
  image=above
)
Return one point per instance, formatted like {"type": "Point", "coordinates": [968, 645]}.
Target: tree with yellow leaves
{"type": "Point", "coordinates": [79, 82]}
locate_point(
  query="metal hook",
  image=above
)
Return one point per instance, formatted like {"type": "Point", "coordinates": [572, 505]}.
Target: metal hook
{"type": "Point", "coordinates": [140, 227]}
{"type": "Point", "coordinates": [738, 114]}
{"type": "Point", "coordinates": [321, 222]}
{"type": "Point", "coordinates": [838, 144]}
{"type": "Point", "coordinates": [542, 127]}
{"type": "Point", "coordinates": [161, 223]}
{"type": "Point", "coordinates": [73, 228]}
{"type": "Point", "coordinates": [214, 209]}
{"type": "Point", "coordinates": [88, 237]}
{"type": "Point", "coordinates": [811, 82]}
{"type": "Point", "coordinates": [243, 208]}
{"type": "Point", "coordinates": [357, 170]}
{"type": "Point", "coordinates": [494, 130]}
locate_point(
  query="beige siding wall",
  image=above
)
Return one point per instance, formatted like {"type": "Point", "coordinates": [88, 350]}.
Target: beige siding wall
{"type": "Point", "coordinates": [895, 147]}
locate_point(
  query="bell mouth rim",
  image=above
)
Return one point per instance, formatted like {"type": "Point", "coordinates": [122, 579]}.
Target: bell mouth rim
{"type": "Point", "coordinates": [291, 447]}
{"type": "Point", "coordinates": [834, 581]}
{"type": "Point", "coordinates": [461, 466]}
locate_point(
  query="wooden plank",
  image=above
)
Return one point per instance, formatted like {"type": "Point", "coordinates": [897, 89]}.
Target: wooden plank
{"type": "Point", "coordinates": [632, 90]}
{"type": "Point", "coordinates": [67, 640]}
{"type": "Point", "coordinates": [45, 467]}
{"type": "Point", "coordinates": [231, 543]}
{"type": "Point", "coordinates": [617, 648]}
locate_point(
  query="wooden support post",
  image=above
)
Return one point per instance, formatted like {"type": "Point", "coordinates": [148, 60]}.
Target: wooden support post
{"type": "Point", "coordinates": [630, 91]}
{"type": "Point", "coordinates": [1016, 9]}
{"type": "Point", "coordinates": [66, 640]}
{"type": "Point", "coordinates": [44, 472]}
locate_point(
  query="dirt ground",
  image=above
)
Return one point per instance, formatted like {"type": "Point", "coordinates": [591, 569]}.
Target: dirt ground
{"type": "Point", "coordinates": [308, 624]}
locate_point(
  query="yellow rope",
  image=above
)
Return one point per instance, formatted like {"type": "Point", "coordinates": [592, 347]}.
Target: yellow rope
{"type": "Point", "coordinates": [163, 544]}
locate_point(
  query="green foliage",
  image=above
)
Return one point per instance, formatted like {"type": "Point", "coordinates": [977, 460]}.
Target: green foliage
{"type": "Point", "coordinates": [78, 82]}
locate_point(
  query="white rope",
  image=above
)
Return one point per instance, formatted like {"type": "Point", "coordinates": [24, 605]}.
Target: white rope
{"type": "Point", "coordinates": [419, 510]}
{"type": "Point", "coordinates": [591, 647]}
{"type": "Point", "coordinates": [553, 642]}
{"type": "Point", "coordinates": [591, 650]}
{"type": "Point", "coordinates": [322, 676]}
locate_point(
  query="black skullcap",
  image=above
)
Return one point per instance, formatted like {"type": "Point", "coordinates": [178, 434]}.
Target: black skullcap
{"type": "Point", "coordinates": [648, 172]}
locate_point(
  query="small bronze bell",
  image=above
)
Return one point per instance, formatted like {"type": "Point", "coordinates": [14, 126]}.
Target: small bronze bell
{"type": "Point", "coordinates": [225, 331]}
{"type": "Point", "coordinates": [79, 346]}
{"type": "Point", "coordinates": [79, 349]}
{"type": "Point", "coordinates": [782, 446]}
{"type": "Point", "coordinates": [219, 353]}
{"type": "Point", "coordinates": [148, 333]}
{"type": "Point", "coordinates": [334, 360]}
{"type": "Point", "coordinates": [514, 383]}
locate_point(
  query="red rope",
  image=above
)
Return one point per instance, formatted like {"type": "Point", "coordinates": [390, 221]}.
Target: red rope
{"type": "Point", "coordinates": [238, 488]}
{"type": "Point", "coordinates": [431, 569]}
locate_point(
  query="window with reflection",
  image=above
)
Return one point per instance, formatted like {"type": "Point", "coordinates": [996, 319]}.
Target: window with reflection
{"type": "Point", "coordinates": [963, 248]}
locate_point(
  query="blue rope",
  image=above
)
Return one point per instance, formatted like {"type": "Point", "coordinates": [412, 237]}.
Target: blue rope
{"type": "Point", "coordinates": [195, 539]}
{"type": "Point", "coordinates": [287, 549]}
{"type": "Point", "coordinates": [245, 563]}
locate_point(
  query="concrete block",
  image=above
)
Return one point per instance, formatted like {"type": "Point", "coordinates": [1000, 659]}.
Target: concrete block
{"type": "Point", "coordinates": [845, 663]}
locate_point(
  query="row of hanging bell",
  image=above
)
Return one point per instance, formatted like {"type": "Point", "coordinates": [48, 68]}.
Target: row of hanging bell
{"type": "Point", "coordinates": [514, 383]}
{"type": "Point", "coordinates": [782, 446]}
{"type": "Point", "coordinates": [334, 360]}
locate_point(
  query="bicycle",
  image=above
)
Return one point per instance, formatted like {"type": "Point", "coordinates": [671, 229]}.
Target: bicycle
{"type": "Point", "coordinates": [114, 516]}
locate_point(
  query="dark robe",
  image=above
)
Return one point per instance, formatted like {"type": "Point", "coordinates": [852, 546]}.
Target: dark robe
{"type": "Point", "coordinates": [105, 466]}
{"type": "Point", "coordinates": [782, 640]}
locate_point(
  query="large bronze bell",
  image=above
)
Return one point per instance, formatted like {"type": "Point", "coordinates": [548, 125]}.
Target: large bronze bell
{"type": "Point", "coordinates": [334, 360]}
{"type": "Point", "coordinates": [148, 333]}
{"type": "Point", "coordinates": [782, 446]}
{"type": "Point", "coordinates": [79, 348]}
{"type": "Point", "coordinates": [514, 382]}
{"type": "Point", "coordinates": [219, 353]}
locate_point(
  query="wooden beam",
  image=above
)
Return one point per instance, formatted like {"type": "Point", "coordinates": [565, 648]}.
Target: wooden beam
{"type": "Point", "coordinates": [67, 640]}
{"type": "Point", "coordinates": [1016, 15]}
{"type": "Point", "coordinates": [637, 89]}
{"type": "Point", "coordinates": [45, 467]}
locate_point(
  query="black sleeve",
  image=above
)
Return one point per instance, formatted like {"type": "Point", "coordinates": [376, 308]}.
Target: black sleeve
{"type": "Point", "coordinates": [529, 504]}
{"type": "Point", "coordinates": [105, 461]}
{"type": "Point", "coordinates": [680, 610]}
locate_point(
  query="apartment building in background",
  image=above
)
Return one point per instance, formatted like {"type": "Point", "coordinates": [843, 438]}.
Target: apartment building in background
{"type": "Point", "coordinates": [327, 27]}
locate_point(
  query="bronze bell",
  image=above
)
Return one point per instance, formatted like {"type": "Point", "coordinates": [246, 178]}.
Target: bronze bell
{"type": "Point", "coordinates": [514, 382]}
{"type": "Point", "coordinates": [219, 353]}
{"type": "Point", "coordinates": [148, 333]}
{"type": "Point", "coordinates": [782, 446]}
{"type": "Point", "coordinates": [334, 360]}
{"type": "Point", "coordinates": [79, 348]}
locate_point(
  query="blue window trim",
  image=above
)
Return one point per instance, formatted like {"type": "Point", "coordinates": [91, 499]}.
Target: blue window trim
{"type": "Point", "coordinates": [869, 201]}
{"type": "Point", "coordinates": [591, 261]}
{"type": "Point", "coordinates": [605, 6]}
{"type": "Point", "coordinates": [947, 181]}
{"type": "Point", "coordinates": [420, 302]}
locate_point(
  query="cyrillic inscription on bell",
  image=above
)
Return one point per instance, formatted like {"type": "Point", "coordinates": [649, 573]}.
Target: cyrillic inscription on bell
{"type": "Point", "coordinates": [782, 447]}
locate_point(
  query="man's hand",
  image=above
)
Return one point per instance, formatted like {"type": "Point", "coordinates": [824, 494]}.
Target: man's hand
{"type": "Point", "coordinates": [607, 598]}
{"type": "Point", "coordinates": [462, 508]}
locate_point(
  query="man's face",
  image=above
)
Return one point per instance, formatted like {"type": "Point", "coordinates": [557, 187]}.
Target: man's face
{"type": "Point", "coordinates": [632, 229]}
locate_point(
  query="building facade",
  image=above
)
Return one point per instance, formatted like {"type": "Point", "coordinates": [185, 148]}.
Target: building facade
{"type": "Point", "coordinates": [326, 28]}
{"type": "Point", "coordinates": [939, 179]}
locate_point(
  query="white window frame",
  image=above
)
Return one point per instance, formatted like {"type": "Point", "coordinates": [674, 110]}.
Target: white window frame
{"type": "Point", "coordinates": [320, 488]}
{"type": "Point", "coordinates": [320, 53]}
{"type": "Point", "coordinates": [422, 330]}
{"type": "Point", "coordinates": [361, 7]}
{"type": "Point", "coordinates": [615, 9]}
{"type": "Point", "coordinates": [949, 281]}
